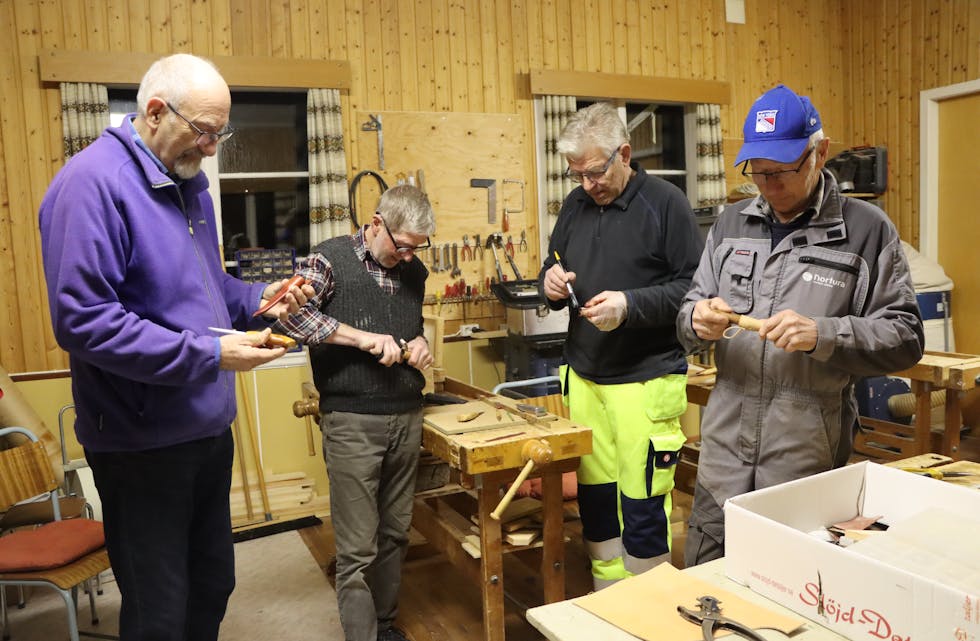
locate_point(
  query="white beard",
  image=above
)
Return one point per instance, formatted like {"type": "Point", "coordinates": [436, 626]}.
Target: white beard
{"type": "Point", "coordinates": [186, 167]}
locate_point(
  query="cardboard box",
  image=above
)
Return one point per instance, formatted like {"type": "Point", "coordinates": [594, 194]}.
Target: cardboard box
{"type": "Point", "coordinates": [769, 549]}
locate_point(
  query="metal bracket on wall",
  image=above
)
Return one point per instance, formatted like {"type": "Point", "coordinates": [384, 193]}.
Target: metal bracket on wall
{"type": "Point", "coordinates": [374, 124]}
{"type": "Point", "coordinates": [514, 182]}
{"type": "Point", "coordinates": [491, 186]}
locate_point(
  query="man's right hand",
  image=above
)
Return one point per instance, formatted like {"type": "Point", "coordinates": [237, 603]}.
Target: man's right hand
{"type": "Point", "coordinates": [554, 282]}
{"type": "Point", "coordinates": [242, 352]}
{"type": "Point", "coordinates": [384, 346]}
{"type": "Point", "coordinates": [708, 320]}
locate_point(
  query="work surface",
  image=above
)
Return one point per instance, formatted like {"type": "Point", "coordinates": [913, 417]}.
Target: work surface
{"type": "Point", "coordinates": [565, 621]}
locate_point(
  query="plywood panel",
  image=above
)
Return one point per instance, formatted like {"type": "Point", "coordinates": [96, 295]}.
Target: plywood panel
{"type": "Point", "coordinates": [480, 146]}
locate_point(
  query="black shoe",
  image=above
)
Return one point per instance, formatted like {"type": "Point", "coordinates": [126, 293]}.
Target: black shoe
{"type": "Point", "coordinates": [392, 634]}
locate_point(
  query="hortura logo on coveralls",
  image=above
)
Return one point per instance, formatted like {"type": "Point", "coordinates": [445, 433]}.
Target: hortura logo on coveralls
{"type": "Point", "coordinates": [822, 280]}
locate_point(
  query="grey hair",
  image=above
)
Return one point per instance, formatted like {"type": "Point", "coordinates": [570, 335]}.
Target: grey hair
{"type": "Point", "coordinates": [597, 126]}
{"type": "Point", "coordinates": [172, 78]}
{"type": "Point", "coordinates": [406, 208]}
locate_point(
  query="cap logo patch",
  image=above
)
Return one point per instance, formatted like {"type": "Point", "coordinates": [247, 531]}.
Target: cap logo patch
{"type": "Point", "coordinates": [765, 121]}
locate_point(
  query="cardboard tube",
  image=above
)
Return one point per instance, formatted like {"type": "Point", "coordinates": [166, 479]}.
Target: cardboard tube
{"type": "Point", "coordinates": [15, 411]}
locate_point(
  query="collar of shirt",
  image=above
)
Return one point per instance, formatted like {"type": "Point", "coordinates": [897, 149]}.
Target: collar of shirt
{"type": "Point", "coordinates": [142, 145]}
{"type": "Point", "coordinates": [816, 202]}
{"type": "Point", "coordinates": [387, 279]}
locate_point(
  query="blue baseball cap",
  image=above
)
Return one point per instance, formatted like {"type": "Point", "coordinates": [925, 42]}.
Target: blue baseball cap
{"type": "Point", "coordinates": [778, 126]}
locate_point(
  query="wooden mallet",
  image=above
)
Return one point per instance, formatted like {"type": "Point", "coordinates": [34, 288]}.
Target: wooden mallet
{"type": "Point", "coordinates": [534, 452]}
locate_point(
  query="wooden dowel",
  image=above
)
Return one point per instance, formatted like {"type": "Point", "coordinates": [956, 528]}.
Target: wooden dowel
{"type": "Point", "coordinates": [745, 322]}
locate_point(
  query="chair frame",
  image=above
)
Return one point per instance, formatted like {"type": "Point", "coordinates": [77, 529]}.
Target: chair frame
{"type": "Point", "coordinates": [34, 477]}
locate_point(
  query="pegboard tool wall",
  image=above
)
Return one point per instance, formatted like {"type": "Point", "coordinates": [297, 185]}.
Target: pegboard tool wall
{"type": "Point", "coordinates": [451, 149]}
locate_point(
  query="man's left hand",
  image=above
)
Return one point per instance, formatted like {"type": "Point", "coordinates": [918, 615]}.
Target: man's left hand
{"type": "Point", "coordinates": [790, 331]}
{"type": "Point", "coordinates": [295, 298]}
{"type": "Point", "coordinates": [419, 356]}
{"type": "Point", "coordinates": [606, 310]}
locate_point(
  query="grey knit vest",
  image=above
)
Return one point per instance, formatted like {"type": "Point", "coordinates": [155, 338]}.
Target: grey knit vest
{"type": "Point", "coordinates": [350, 379]}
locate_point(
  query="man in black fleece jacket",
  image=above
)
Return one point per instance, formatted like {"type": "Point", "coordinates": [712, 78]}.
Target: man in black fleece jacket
{"type": "Point", "coordinates": [629, 245]}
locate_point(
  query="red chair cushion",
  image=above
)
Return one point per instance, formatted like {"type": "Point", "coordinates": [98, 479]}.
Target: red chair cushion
{"type": "Point", "coordinates": [50, 546]}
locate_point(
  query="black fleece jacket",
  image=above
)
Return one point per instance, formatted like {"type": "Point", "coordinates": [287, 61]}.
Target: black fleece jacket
{"type": "Point", "coordinates": [646, 244]}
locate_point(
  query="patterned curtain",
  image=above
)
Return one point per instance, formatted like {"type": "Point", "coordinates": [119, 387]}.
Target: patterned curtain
{"type": "Point", "coordinates": [557, 111]}
{"type": "Point", "coordinates": [84, 114]}
{"type": "Point", "coordinates": [329, 201]}
{"type": "Point", "coordinates": [711, 160]}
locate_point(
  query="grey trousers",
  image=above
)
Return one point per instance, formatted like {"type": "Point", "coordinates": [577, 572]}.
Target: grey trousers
{"type": "Point", "coordinates": [705, 529]}
{"type": "Point", "coordinates": [372, 461]}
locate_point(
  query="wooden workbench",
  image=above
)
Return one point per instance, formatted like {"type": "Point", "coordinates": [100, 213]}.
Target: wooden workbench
{"type": "Point", "coordinates": [485, 462]}
{"type": "Point", "coordinates": [948, 371]}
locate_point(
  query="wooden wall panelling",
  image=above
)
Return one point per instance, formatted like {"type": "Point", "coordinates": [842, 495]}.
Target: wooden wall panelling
{"type": "Point", "coordinates": [451, 149]}
{"type": "Point", "coordinates": [842, 53]}
{"type": "Point", "coordinates": [503, 46]}
{"type": "Point", "coordinates": [457, 53]}
{"type": "Point", "coordinates": [442, 55]}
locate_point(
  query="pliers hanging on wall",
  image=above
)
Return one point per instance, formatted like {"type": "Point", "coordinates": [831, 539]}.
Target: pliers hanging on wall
{"type": "Point", "coordinates": [709, 617]}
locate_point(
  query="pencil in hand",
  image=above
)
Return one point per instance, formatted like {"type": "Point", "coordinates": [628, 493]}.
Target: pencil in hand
{"type": "Point", "coordinates": [572, 300]}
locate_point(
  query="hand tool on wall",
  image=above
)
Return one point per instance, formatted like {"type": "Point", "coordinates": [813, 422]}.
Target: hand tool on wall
{"type": "Point", "coordinates": [491, 186]}
{"type": "Point", "coordinates": [374, 124]}
{"type": "Point", "coordinates": [534, 453]}
{"type": "Point", "coordinates": [509, 247]}
{"type": "Point", "coordinates": [523, 240]}
{"type": "Point", "coordinates": [467, 252]}
{"type": "Point", "coordinates": [456, 270]}
{"type": "Point", "coordinates": [498, 241]}
{"type": "Point", "coordinates": [505, 226]}
{"type": "Point", "coordinates": [496, 261]}
{"type": "Point", "coordinates": [477, 247]}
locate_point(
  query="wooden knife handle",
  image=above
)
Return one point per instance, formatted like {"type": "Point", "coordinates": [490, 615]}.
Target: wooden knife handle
{"type": "Point", "coordinates": [745, 322]}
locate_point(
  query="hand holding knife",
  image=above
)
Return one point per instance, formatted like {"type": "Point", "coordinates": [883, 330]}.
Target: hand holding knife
{"type": "Point", "coordinates": [274, 340]}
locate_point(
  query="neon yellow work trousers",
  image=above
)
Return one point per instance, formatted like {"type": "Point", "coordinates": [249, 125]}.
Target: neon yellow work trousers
{"type": "Point", "coordinates": [624, 485]}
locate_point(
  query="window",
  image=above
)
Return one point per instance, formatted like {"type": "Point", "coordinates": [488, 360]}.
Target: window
{"type": "Point", "coordinates": [259, 177]}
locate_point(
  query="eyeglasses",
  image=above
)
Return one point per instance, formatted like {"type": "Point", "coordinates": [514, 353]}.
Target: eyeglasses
{"type": "Point", "coordinates": [210, 137]}
{"type": "Point", "coordinates": [764, 176]}
{"type": "Point", "coordinates": [594, 175]}
{"type": "Point", "coordinates": [402, 249]}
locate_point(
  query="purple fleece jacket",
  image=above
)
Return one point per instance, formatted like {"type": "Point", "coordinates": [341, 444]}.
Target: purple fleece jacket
{"type": "Point", "coordinates": [134, 280]}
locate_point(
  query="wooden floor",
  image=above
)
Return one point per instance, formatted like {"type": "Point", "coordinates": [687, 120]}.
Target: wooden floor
{"type": "Point", "coordinates": [439, 604]}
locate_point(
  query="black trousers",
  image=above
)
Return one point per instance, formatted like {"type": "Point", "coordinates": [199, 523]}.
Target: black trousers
{"type": "Point", "coordinates": [168, 533]}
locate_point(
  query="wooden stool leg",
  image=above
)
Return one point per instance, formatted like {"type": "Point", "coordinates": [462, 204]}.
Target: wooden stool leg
{"type": "Point", "coordinates": [491, 558]}
{"type": "Point", "coordinates": [952, 424]}
{"type": "Point", "coordinates": [923, 419]}
{"type": "Point", "coordinates": [553, 553]}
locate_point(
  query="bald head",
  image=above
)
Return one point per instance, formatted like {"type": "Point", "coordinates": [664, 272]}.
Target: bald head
{"type": "Point", "coordinates": [178, 78]}
{"type": "Point", "coordinates": [183, 106]}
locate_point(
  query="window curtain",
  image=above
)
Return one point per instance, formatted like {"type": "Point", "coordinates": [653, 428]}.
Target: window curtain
{"type": "Point", "coordinates": [84, 114]}
{"type": "Point", "coordinates": [557, 111]}
{"type": "Point", "coordinates": [711, 160]}
{"type": "Point", "coordinates": [329, 201]}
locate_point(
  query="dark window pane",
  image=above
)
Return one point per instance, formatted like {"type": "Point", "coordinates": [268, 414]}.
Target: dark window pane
{"type": "Point", "coordinates": [270, 133]}
{"type": "Point", "coordinates": [272, 213]}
